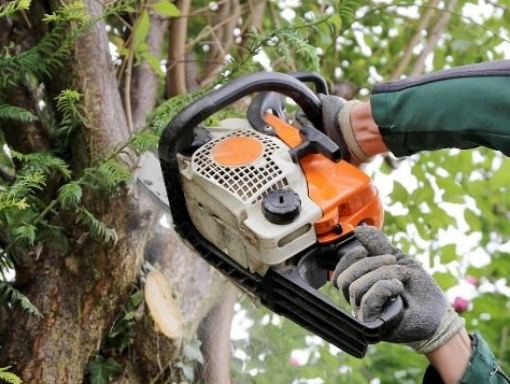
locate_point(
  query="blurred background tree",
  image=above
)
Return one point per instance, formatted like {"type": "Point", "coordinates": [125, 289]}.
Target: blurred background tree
{"type": "Point", "coordinates": [87, 258]}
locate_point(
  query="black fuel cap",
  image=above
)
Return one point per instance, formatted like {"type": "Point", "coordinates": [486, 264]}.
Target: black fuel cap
{"type": "Point", "coordinates": [281, 206]}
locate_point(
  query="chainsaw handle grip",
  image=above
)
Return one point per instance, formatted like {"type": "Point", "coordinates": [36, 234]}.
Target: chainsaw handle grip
{"type": "Point", "coordinates": [178, 135]}
{"type": "Point", "coordinates": [312, 273]}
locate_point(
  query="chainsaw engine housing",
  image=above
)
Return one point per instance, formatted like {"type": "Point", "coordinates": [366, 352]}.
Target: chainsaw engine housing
{"type": "Point", "coordinates": [225, 200]}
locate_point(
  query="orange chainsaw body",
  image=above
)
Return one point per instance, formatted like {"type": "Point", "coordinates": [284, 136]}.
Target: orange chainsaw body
{"type": "Point", "coordinates": [345, 194]}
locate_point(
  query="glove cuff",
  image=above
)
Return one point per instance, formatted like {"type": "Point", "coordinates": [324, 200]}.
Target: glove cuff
{"type": "Point", "coordinates": [451, 324]}
{"type": "Point", "coordinates": [344, 120]}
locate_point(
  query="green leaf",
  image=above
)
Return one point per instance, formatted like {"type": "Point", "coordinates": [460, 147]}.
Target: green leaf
{"type": "Point", "coordinates": [9, 377]}
{"type": "Point", "coordinates": [103, 370]}
{"type": "Point", "coordinates": [136, 299]}
{"type": "Point", "coordinates": [69, 195]}
{"type": "Point", "coordinates": [399, 192]}
{"type": "Point", "coordinates": [9, 112]}
{"type": "Point", "coordinates": [26, 233]}
{"type": "Point", "coordinates": [166, 8]}
{"type": "Point", "coordinates": [141, 29]}
{"type": "Point", "coordinates": [472, 220]}
{"type": "Point", "coordinates": [445, 280]}
{"type": "Point", "coordinates": [153, 62]}
{"type": "Point", "coordinates": [448, 253]}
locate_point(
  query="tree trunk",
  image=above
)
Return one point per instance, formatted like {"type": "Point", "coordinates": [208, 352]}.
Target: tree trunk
{"type": "Point", "coordinates": [80, 292]}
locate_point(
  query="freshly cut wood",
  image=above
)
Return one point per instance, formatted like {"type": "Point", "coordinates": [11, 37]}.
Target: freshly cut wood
{"type": "Point", "coordinates": [158, 335]}
{"type": "Point", "coordinates": [163, 308]}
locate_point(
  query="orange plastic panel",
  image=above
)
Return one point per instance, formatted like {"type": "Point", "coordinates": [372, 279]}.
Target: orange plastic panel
{"type": "Point", "coordinates": [237, 151]}
{"type": "Point", "coordinates": [345, 193]}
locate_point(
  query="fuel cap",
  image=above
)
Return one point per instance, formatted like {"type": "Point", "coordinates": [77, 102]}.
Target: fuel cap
{"type": "Point", "coordinates": [281, 206]}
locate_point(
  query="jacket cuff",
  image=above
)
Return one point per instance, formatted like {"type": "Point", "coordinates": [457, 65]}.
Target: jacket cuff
{"type": "Point", "coordinates": [481, 366]}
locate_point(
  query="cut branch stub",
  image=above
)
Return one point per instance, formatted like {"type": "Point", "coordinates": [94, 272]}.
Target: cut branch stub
{"type": "Point", "coordinates": [158, 335]}
{"type": "Point", "coordinates": [163, 308]}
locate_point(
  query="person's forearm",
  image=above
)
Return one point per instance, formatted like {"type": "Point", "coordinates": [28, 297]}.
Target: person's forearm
{"type": "Point", "coordinates": [366, 131]}
{"type": "Point", "coordinates": [451, 359]}
{"type": "Point", "coordinates": [464, 107]}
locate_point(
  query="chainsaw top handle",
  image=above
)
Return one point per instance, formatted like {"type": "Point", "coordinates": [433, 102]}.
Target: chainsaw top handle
{"type": "Point", "coordinates": [179, 133]}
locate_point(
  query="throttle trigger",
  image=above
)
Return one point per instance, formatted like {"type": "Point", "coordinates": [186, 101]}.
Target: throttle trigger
{"type": "Point", "coordinates": [314, 141]}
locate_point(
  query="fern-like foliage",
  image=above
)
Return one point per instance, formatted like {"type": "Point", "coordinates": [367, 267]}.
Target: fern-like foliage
{"type": "Point", "coordinates": [43, 162]}
{"type": "Point", "coordinates": [8, 294]}
{"type": "Point", "coordinates": [14, 6]}
{"type": "Point", "coordinates": [68, 104]}
{"type": "Point", "coordinates": [97, 228]}
{"type": "Point", "coordinates": [9, 112]}
{"type": "Point", "coordinates": [9, 377]}
{"type": "Point", "coordinates": [49, 54]}
{"type": "Point", "coordinates": [69, 195]}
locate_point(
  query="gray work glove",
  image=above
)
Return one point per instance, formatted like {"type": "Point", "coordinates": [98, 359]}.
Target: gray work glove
{"type": "Point", "coordinates": [375, 271]}
{"type": "Point", "coordinates": [336, 119]}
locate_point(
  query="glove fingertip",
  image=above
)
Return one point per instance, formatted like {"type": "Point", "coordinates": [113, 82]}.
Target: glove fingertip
{"type": "Point", "coordinates": [374, 240]}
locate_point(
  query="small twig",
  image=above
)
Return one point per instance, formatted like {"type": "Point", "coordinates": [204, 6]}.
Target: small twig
{"type": "Point", "coordinates": [408, 52]}
{"type": "Point", "coordinates": [435, 34]}
{"type": "Point", "coordinates": [208, 30]}
{"type": "Point", "coordinates": [127, 89]}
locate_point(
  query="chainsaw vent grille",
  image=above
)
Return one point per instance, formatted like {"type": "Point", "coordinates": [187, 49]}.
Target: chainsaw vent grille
{"type": "Point", "coordinates": [248, 182]}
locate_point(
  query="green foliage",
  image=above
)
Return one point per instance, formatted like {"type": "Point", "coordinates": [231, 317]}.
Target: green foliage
{"type": "Point", "coordinates": [14, 6]}
{"type": "Point", "coordinates": [9, 112]}
{"type": "Point", "coordinates": [9, 377]}
{"type": "Point", "coordinates": [49, 54]}
{"type": "Point", "coordinates": [69, 195]}
{"type": "Point", "coordinates": [68, 104]}
{"type": "Point", "coordinates": [184, 369]}
{"type": "Point", "coordinates": [42, 163]}
{"type": "Point", "coordinates": [119, 337]}
{"type": "Point", "coordinates": [96, 227]}
{"type": "Point", "coordinates": [166, 8]}
{"type": "Point", "coordinates": [8, 294]}
{"type": "Point", "coordinates": [101, 370]}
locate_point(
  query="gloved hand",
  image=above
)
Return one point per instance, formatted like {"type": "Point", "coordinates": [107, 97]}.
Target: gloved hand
{"type": "Point", "coordinates": [375, 271]}
{"type": "Point", "coordinates": [336, 119]}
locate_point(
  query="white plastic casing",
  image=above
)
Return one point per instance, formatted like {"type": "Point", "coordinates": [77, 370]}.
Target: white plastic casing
{"type": "Point", "coordinates": [225, 202]}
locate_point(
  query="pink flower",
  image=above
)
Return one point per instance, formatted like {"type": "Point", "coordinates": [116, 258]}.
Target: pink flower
{"type": "Point", "coordinates": [460, 304]}
{"type": "Point", "coordinates": [472, 280]}
{"type": "Point", "coordinates": [293, 361]}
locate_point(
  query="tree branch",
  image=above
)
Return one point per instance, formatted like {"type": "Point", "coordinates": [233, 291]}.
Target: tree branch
{"type": "Point", "coordinates": [435, 34]}
{"type": "Point", "coordinates": [408, 52]}
{"type": "Point", "coordinates": [176, 73]}
{"type": "Point", "coordinates": [144, 81]}
{"type": "Point", "coordinates": [223, 38]}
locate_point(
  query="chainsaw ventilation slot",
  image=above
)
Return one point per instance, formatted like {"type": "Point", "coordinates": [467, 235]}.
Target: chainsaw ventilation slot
{"type": "Point", "coordinates": [252, 181]}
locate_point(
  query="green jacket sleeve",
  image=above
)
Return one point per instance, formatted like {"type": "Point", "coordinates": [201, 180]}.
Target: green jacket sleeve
{"type": "Point", "coordinates": [482, 367]}
{"type": "Point", "coordinates": [464, 107]}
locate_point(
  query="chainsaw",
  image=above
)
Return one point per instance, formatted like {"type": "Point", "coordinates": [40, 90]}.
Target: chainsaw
{"type": "Point", "coordinates": [271, 204]}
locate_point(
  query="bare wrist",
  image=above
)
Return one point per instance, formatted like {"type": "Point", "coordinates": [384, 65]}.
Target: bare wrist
{"type": "Point", "coordinates": [451, 358]}
{"type": "Point", "coordinates": [366, 131]}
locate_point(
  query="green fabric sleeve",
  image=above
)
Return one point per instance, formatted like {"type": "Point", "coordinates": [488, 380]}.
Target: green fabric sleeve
{"type": "Point", "coordinates": [482, 367]}
{"type": "Point", "coordinates": [461, 108]}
